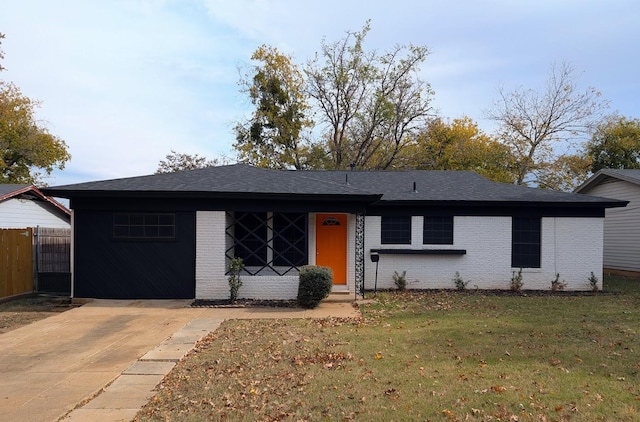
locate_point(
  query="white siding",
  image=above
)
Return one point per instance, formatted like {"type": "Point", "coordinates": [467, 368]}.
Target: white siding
{"type": "Point", "coordinates": [621, 225]}
{"type": "Point", "coordinates": [571, 247]}
{"type": "Point", "coordinates": [18, 213]}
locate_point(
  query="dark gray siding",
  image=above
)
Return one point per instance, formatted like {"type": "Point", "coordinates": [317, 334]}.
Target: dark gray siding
{"type": "Point", "coordinates": [132, 269]}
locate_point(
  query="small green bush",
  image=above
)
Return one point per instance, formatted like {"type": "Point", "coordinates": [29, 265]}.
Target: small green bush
{"type": "Point", "coordinates": [236, 265]}
{"type": "Point", "coordinates": [593, 281]}
{"type": "Point", "coordinates": [315, 285]}
{"type": "Point", "coordinates": [459, 282]}
{"type": "Point", "coordinates": [516, 281]}
{"type": "Point", "coordinates": [400, 280]}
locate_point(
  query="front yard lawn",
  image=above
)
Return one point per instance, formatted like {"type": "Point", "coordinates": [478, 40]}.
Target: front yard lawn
{"type": "Point", "coordinates": [422, 356]}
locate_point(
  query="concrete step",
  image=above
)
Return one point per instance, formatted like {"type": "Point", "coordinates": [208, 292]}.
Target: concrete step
{"type": "Point", "coordinates": [340, 296]}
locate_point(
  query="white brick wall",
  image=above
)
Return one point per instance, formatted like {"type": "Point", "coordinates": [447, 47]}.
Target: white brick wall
{"type": "Point", "coordinates": [211, 281]}
{"type": "Point", "coordinates": [570, 246]}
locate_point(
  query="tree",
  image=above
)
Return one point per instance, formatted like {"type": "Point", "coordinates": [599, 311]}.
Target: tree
{"type": "Point", "coordinates": [461, 145]}
{"type": "Point", "coordinates": [371, 104]}
{"type": "Point", "coordinates": [25, 144]}
{"type": "Point", "coordinates": [540, 127]}
{"type": "Point", "coordinates": [176, 161]}
{"type": "Point", "coordinates": [1, 52]}
{"type": "Point", "coordinates": [274, 136]}
{"type": "Point", "coordinates": [565, 173]}
{"type": "Point", "coordinates": [615, 144]}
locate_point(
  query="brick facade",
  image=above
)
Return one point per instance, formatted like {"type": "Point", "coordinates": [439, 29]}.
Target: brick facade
{"type": "Point", "coordinates": [571, 247]}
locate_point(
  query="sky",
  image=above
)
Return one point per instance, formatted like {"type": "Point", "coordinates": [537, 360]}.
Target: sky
{"type": "Point", "coordinates": [124, 82]}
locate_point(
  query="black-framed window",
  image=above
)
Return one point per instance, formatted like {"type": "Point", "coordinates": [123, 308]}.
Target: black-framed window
{"type": "Point", "coordinates": [396, 230]}
{"type": "Point", "coordinates": [289, 239]}
{"type": "Point", "coordinates": [437, 230]}
{"type": "Point", "coordinates": [150, 226]}
{"type": "Point", "coordinates": [250, 232]}
{"type": "Point", "coordinates": [525, 242]}
{"type": "Point", "coordinates": [275, 241]}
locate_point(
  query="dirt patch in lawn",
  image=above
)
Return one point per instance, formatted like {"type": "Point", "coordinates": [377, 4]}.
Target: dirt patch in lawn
{"type": "Point", "coordinates": [23, 311]}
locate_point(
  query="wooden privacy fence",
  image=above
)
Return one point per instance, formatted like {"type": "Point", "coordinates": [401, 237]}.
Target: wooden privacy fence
{"type": "Point", "coordinates": [16, 262]}
{"type": "Point", "coordinates": [53, 260]}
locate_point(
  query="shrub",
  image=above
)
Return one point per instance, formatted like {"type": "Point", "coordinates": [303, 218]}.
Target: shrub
{"type": "Point", "coordinates": [315, 285]}
{"type": "Point", "coordinates": [593, 281]}
{"type": "Point", "coordinates": [400, 280]}
{"type": "Point", "coordinates": [516, 281]}
{"type": "Point", "coordinates": [235, 268]}
{"type": "Point", "coordinates": [557, 285]}
{"type": "Point", "coordinates": [459, 282]}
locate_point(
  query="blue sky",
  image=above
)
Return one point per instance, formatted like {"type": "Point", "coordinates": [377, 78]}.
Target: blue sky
{"type": "Point", "coordinates": [123, 82]}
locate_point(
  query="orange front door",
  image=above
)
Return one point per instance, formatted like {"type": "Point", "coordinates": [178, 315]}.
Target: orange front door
{"type": "Point", "coordinates": [331, 244]}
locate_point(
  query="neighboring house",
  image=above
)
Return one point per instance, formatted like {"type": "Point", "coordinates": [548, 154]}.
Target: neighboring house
{"type": "Point", "coordinates": [172, 235]}
{"type": "Point", "coordinates": [34, 242]}
{"type": "Point", "coordinates": [23, 206]}
{"type": "Point", "coordinates": [621, 225]}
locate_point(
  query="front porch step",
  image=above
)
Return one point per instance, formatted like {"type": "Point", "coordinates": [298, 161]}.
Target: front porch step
{"type": "Point", "coordinates": [340, 296]}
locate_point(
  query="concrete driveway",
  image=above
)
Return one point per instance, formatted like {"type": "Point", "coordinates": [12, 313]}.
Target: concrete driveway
{"type": "Point", "coordinates": [51, 366]}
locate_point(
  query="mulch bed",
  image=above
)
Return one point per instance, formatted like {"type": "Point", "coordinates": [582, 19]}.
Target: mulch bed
{"type": "Point", "coordinates": [506, 292]}
{"type": "Point", "coordinates": [244, 303]}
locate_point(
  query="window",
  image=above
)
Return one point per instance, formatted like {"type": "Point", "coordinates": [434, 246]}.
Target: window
{"type": "Point", "coordinates": [396, 230]}
{"type": "Point", "coordinates": [250, 230]}
{"type": "Point", "coordinates": [525, 242]}
{"type": "Point", "coordinates": [274, 241]}
{"type": "Point", "coordinates": [437, 230]}
{"type": "Point", "coordinates": [144, 226]}
{"type": "Point", "coordinates": [289, 239]}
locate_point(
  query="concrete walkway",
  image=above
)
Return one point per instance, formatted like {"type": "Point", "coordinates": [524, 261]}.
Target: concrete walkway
{"type": "Point", "coordinates": [101, 361]}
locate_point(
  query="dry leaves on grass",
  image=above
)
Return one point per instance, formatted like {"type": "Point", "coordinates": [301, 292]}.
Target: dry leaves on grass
{"type": "Point", "coordinates": [254, 370]}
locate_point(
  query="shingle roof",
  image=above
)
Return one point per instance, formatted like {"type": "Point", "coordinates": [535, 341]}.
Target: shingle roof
{"type": "Point", "coordinates": [447, 186]}
{"type": "Point", "coordinates": [629, 175]}
{"type": "Point", "coordinates": [9, 190]}
{"type": "Point", "coordinates": [237, 178]}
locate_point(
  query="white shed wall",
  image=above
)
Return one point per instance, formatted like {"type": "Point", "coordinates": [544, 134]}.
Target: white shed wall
{"type": "Point", "coordinates": [16, 213]}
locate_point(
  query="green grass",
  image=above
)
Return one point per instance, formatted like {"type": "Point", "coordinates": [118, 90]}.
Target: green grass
{"type": "Point", "coordinates": [422, 356]}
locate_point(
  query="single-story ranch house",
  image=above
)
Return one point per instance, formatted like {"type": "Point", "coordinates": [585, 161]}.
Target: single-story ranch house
{"type": "Point", "coordinates": [172, 235]}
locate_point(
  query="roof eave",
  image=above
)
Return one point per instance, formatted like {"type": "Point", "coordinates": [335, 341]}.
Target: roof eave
{"type": "Point", "coordinates": [32, 189]}
{"type": "Point", "coordinates": [613, 203]}
{"type": "Point", "coordinates": [282, 196]}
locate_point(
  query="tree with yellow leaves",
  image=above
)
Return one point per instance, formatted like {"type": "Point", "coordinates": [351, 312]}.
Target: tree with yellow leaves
{"type": "Point", "coordinates": [460, 145]}
{"type": "Point", "coordinates": [26, 146]}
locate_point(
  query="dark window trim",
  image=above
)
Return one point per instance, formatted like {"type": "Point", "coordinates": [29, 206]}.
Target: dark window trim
{"type": "Point", "coordinates": [526, 241]}
{"type": "Point", "coordinates": [437, 230]}
{"type": "Point", "coordinates": [279, 241]}
{"type": "Point", "coordinates": [143, 227]}
{"type": "Point", "coordinates": [395, 230]}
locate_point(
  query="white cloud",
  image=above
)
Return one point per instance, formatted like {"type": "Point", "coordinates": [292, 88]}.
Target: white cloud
{"type": "Point", "coordinates": [124, 82]}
